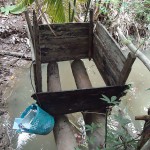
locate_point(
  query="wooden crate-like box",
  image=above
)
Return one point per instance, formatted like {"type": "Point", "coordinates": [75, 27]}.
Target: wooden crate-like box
{"type": "Point", "coordinates": [75, 41]}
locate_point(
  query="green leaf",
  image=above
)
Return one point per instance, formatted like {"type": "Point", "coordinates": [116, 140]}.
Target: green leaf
{"type": "Point", "coordinates": [7, 9]}
{"type": "Point", "coordinates": [113, 98]}
{"type": "Point", "coordinates": [55, 9]}
{"type": "Point", "coordinates": [17, 9]}
{"type": "Point", "coordinates": [105, 98]}
{"type": "Point", "coordinates": [88, 127]}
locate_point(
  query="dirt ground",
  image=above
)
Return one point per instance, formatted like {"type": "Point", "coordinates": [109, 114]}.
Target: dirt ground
{"type": "Point", "coordinates": [13, 38]}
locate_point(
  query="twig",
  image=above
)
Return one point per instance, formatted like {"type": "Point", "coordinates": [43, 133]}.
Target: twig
{"type": "Point", "coordinates": [15, 54]}
{"type": "Point", "coordinates": [39, 7]}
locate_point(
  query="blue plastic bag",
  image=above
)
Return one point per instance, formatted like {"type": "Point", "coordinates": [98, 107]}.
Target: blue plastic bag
{"type": "Point", "coordinates": [34, 120]}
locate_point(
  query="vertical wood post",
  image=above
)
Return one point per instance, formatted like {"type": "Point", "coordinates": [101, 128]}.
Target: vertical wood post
{"type": "Point", "coordinates": [126, 69]}
{"type": "Point", "coordinates": [37, 65]}
{"type": "Point", "coordinates": [63, 134]}
{"type": "Point", "coordinates": [91, 35]}
{"type": "Point", "coordinates": [82, 81]}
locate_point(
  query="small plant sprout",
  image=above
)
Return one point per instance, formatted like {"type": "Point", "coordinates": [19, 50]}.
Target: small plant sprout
{"type": "Point", "coordinates": [111, 101]}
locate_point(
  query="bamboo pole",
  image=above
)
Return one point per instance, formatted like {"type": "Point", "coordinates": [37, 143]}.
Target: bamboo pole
{"type": "Point", "coordinates": [63, 134]}
{"type": "Point", "coordinates": [82, 81]}
{"type": "Point", "coordinates": [144, 117]}
{"type": "Point", "coordinates": [134, 50]}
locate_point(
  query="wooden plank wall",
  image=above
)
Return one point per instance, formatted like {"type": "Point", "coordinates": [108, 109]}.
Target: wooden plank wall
{"type": "Point", "coordinates": [71, 42]}
{"type": "Point", "coordinates": [109, 59]}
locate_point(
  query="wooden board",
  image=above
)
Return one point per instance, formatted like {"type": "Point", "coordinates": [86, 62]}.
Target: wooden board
{"type": "Point", "coordinates": [71, 42]}
{"type": "Point", "coordinates": [37, 64]}
{"type": "Point", "coordinates": [66, 102]}
{"type": "Point", "coordinates": [108, 57]}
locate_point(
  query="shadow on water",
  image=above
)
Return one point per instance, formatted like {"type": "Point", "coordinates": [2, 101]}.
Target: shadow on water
{"type": "Point", "coordinates": [135, 102]}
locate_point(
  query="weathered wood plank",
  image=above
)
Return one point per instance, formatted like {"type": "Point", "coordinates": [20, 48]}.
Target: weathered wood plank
{"type": "Point", "coordinates": [64, 49]}
{"type": "Point", "coordinates": [104, 64]}
{"type": "Point", "coordinates": [110, 61]}
{"type": "Point", "coordinates": [71, 42]}
{"type": "Point", "coordinates": [66, 102]}
{"type": "Point", "coordinates": [65, 30]}
{"type": "Point", "coordinates": [110, 45]}
{"type": "Point", "coordinates": [91, 25]}
{"type": "Point", "coordinates": [62, 126]}
{"type": "Point", "coordinates": [38, 73]}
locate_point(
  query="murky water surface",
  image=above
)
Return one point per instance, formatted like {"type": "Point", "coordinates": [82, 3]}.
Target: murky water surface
{"type": "Point", "coordinates": [136, 102]}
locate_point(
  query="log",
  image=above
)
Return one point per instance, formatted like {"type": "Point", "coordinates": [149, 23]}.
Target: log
{"type": "Point", "coordinates": [63, 134]}
{"type": "Point", "coordinates": [134, 50]}
{"type": "Point", "coordinates": [82, 81]}
{"type": "Point", "coordinates": [15, 54]}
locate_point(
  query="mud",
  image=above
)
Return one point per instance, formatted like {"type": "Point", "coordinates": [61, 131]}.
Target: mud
{"type": "Point", "coordinates": [13, 38]}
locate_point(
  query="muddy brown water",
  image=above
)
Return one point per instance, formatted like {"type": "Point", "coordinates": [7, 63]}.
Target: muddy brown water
{"type": "Point", "coordinates": [134, 103]}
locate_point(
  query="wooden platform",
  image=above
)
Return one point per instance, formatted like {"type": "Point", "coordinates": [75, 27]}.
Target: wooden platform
{"type": "Point", "coordinates": [65, 102]}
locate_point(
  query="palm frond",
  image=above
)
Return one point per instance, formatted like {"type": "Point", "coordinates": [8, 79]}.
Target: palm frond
{"type": "Point", "coordinates": [55, 10]}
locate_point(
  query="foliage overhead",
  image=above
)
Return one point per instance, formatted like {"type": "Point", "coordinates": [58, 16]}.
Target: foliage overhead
{"type": "Point", "coordinates": [58, 10]}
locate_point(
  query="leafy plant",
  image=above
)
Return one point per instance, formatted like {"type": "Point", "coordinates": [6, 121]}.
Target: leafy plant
{"type": "Point", "coordinates": [58, 10]}
{"type": "Point", "coordinates": [117, 138]}
{"type": "Point", "coordinates": [92, 127]}
{"type": "Point", "coordinates": [16, 9]}
{"type": "Point", "coordinates": [111, 101]}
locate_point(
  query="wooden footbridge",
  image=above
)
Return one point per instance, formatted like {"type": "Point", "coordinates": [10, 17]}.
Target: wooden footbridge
{"type": "Point", "coordinates": [73, 42]}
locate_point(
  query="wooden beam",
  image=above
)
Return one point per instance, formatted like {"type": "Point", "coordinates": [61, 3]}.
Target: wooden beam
{"type": "Point", "coordinates": [63, 134]}
{"type": "Point", "coordinates": [38, 72]}
{"type": "Point", "coordinates": [82, 81]}
{"type": "Point", "coordinates": [126, 68]}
